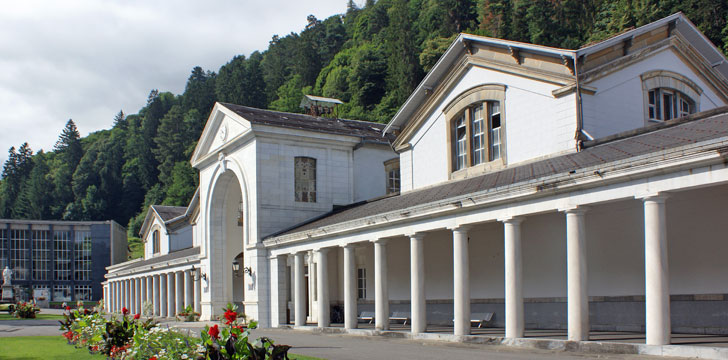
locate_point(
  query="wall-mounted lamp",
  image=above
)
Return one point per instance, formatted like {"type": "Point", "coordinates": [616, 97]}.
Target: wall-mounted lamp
{"type": "Point", "coordinates": [195, 276]}
{"type": "Point", "coordinates": [236, 269]}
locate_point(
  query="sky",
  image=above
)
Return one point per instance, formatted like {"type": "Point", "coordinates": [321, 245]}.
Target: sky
{"type": "Point", "coordinates": [86, 60]}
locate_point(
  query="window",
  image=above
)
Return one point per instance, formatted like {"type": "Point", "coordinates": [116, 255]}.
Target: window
{"type": "Point", "coordinates": [62, 256]}
{"type": "Point", "coordinates": [82, 292]}
{"type": "Point", "coordinates": [61, 293]}
{"type": "Point", "coordinates": [41, 254]}
{"type": "Point", "coordinates": [82, 256]}
{"type": "Point", "coordinates": [669, 95]}
{"type": "Point", "coordinates": [476, 130]}
{"type": "Point", "coordinates": [305, 179]}
{"type": "Point", "coordinates": [155, 242]}
{"type": "Point", "coordinates": [361, 283]}
{"type": "Point", "coordinates": [4, 248]}
{"type": "Point", "coordinates": [484, 142]}
{"type": "Point", "coordinates": [391, 169]}
{"type": "Point", "coordinates": [665, 104]}
{"type": "Point", "coordinates": [19, 254]}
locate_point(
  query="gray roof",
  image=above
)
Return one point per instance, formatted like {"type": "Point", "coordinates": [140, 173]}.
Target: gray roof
{"type": "Point", "coordinates": [178, 254]}
{"type": "Point", "coordinates": [169, 212]}
{"type": "Point", "coordinates": [671, 134]}
{"type": "Point", "coordinates": [366, 130]}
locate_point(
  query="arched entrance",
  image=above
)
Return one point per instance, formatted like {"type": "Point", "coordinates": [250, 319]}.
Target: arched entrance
{"type": "Point", "coordinates": [227, 224]}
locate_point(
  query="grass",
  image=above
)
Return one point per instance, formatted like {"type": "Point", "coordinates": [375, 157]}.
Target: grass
{"type": "Point", "coordinates": [56, 348]}
{"type": "Point", "coordinates": [41, 348]}
{"type": "Point", "coordinates": [37, 317]}
{"type": "Point", "coordinates": [136, 248]}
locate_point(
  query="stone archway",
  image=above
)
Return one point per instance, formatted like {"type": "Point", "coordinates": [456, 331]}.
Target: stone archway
{"type": "Point", "coordinates": [226, 226]}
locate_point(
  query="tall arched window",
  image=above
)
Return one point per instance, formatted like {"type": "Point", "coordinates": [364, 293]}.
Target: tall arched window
{"type": "Point", "coordinates": [305, 179]}
{"type": "Point", "coordinates": [155, 242]}
{"type": "Point", "coordinates": [669, 95]}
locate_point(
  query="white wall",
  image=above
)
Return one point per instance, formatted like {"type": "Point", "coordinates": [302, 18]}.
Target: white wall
{"type": "Point", "coordinates": [276, 195]}
{"type": "Point", "coordinates": [163, 239]}
{"type": "Point", "coordinates": [370, 179]}
{"type": "Point", "coordinates": [181, 238]}
{"type": "Point", "coordinates": [536, 123]}
{"type": "Point", "coordinates": [618, 104]}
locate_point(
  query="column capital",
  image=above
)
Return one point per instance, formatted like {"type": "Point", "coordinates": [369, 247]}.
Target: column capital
{"type": "Point", "coordinates": [574, 209]}
{"type": "Point", "coordinates": [323, 250]}
{"type": "Point", "coordinates": [349, 246]}
{"type": "Point", "coordinates": [382, 241]}
{"type": "Point", "coordinates": [658, 197]}
{"type": "Point", "coordinates": [515, 220]}
{"type": "Point", "coordinates": [416, 235]}
{"type": "Point", "coordinates": [460, 228]}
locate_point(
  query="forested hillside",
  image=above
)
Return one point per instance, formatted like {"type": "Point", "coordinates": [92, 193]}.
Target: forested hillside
{"type": "Point", "coordinates": [370, 57]}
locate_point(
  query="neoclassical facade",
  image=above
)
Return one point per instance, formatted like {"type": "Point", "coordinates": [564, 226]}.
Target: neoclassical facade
{"type": "Point", "coordinates": [553, 189]}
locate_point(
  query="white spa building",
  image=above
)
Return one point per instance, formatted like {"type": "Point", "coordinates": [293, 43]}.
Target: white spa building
{"type": "Point", "coordinates": [554, 189]}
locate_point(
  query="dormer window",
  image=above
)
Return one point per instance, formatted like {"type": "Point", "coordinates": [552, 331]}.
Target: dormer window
{"type": "Point", "coordinates": [391, 171]}
{"type": "Point", "coordinates": [669, 95]}
{"type": "Point", "coordinates": [666, 104]}
{"type": "Point", "coordinates": [477, 135]}
{"type": "Point", "coordinates": [155, 242]}
{"type": "Point", "coordinates": [476, 132]}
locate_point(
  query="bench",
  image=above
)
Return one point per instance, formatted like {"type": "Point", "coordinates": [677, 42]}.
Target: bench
{"type": "Point", "coordinates": [400, 316]}
{"type": "Point", "coordinates": [366, 316]}
{"type": "Point", "coordinates": [480, 318]}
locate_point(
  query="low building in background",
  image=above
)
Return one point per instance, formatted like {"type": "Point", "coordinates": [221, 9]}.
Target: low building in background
{"type": "Point", "coordinates": [67, 258]}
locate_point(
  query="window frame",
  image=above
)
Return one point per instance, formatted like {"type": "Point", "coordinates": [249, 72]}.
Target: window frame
{"type": "Point", "coordinates": [310, 196]}
{"type": "Point", "coordinates": [678, 86]}
{"type": "Point", "coordinates": [156, 240]}
{"type": "Point", "coordinates": [467, 105]}
{"type": "Point", "coordinates": [361, 283]}
{"type": "Point", "coordinates": [392, 176]}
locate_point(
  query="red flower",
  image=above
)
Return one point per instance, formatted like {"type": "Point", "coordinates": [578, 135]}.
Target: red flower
{"type": "Point", "coordinates": [125, 311]}
{"type": "Point", "coordinates": [230, 316]}
{"type": "Point", "coordinates": [137, 316]}
{"type": "Point", "coordinates": [153, 358]}
{"type": "Point", "coordinates": [214, 332]}
{"type": "Point", "coordinates": [68, 308]}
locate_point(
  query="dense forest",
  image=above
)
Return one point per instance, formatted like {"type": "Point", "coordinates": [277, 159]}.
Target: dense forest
{"type": "Point", "coordinates": [371, 57]}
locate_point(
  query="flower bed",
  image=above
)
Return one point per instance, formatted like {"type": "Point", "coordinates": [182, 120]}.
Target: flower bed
{"type": "Point", "coordinates": [131, 338]}
{"type": "Point", "coordinates": [25, 310]}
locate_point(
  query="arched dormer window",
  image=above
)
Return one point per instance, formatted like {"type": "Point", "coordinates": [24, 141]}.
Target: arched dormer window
{"type": "Point", "coordinates": [476, 130]}
{"type": "Point", "coordinates": [669, 95]}
{"type": "Point", "coordinates": [155, 242]}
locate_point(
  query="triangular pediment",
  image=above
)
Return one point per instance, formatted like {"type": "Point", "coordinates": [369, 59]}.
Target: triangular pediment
{"type": "Point", "coordinates": [223, 127]}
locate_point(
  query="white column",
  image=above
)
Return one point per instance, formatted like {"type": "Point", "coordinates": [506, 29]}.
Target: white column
{"type": "Point", "coordinates": [417, 283]}
{"type": "Point", "coordinates": [117, 297]}
{"type": "Point", "coordinates": [171, 295]}
{"type": "Point", "coordinates": [300, 295]}
{"type": "Point", "coordinates": [576, 267]}
{"type": "Point", "coordinates": [198, 290]}
{"type": "Point", "coordinates": [150, 292]}
{"type": "Point", "coordinates": [322, 286]}
{"type": "Point", "coordinates": [189, 291]}
{"type": "Point", "coordinates": [156, 295]}
{"type": "Point", "coordinates": [163, 295]}
{"type": "Point", "coordinates": [132, 296]}
{"type": "Point", "coordinates": [138, 299]}
{"type": "Point", "coordinates": [514, 277]}
{"type": "Point", "coordinates": [657, 280]}
{"type": "Point", "coordinates": [350, 296]}
{"type": "Point", "coordinates": [179, 289]}
{"type": "Point", "coordinates": [381, 291]}
{"type": "Point", "coordinates": [461, 280]}
{"type": "Point", "coordinates": [112, 305]}
{"type": "Point", "coordinates": [278, 290]}
{"type": "Point", "coordinates": [143, 292]}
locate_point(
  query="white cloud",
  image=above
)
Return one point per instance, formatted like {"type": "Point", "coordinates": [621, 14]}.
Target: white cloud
{"type": "Point", "coordinates": [86, 59]}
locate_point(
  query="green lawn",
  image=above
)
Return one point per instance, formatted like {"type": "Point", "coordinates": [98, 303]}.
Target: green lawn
{"type": "Point", "coordinates": [56, 348]}
{"type": "Point", "coordinates": [5, 316]}
{"type": "Point", "coordinates": [41, 348]}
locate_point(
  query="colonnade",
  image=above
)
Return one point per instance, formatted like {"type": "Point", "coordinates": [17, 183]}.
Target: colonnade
{"type": "Point", "coordinates": [657, 293]}
{"type": "Point", "coordinates": [169, 293]}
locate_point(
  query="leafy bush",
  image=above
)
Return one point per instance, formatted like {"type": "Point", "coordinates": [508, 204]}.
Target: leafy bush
{"type": "Point", "coordinates": [25, 310]}
{"type": "Point", "coordinates": [189, 314]}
